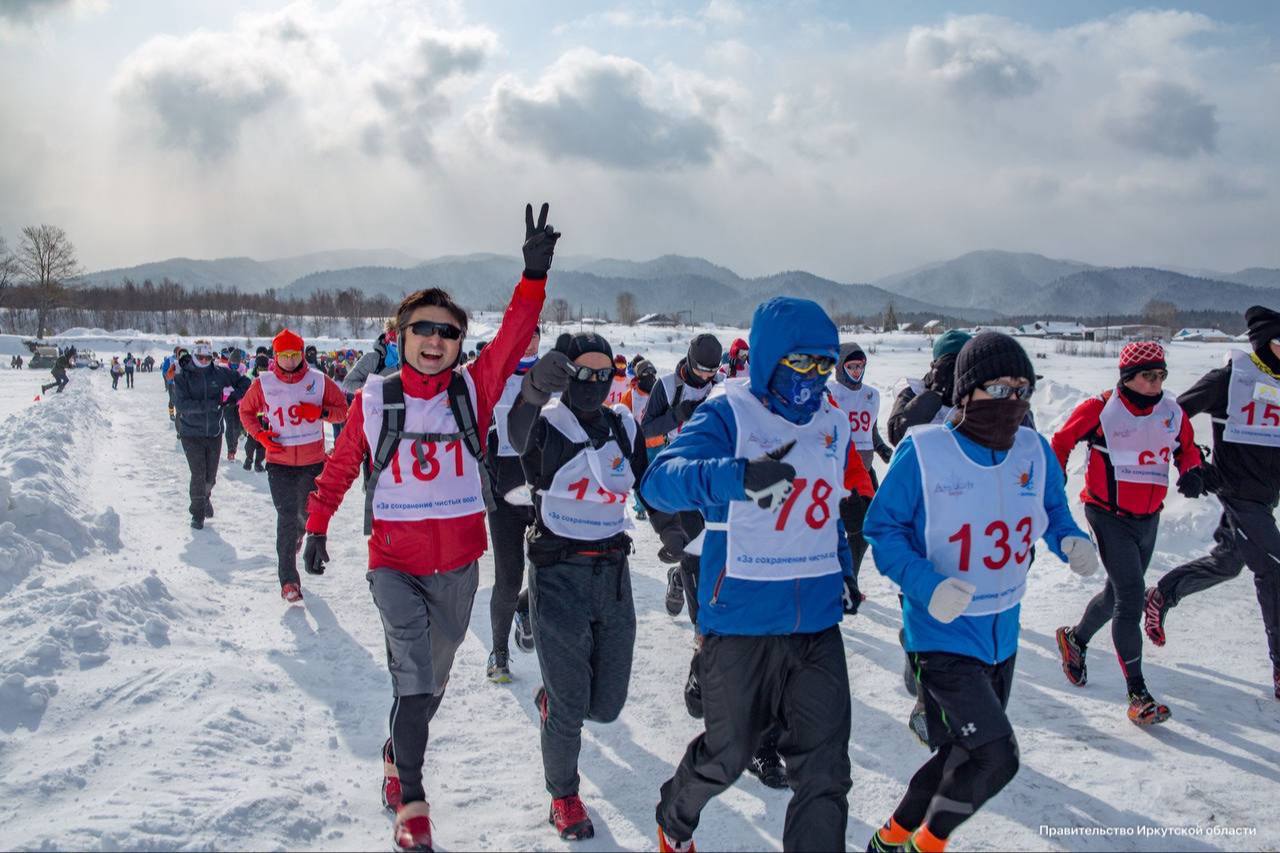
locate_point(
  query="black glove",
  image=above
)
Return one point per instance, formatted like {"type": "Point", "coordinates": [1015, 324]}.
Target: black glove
{"type": "Point", "coordinates": [184, 360]}
{"type": "Point", "coordinates": [539, 243]}
{"type": "Point", "coordinates": [767, 479]}
{"type": "Point", "coordinates": [1192, 483]}
{"type": "Point", "coordinates": [942, 377]}
{"type": "Point", "coordinates": [549, 375]}
{"type": "Point", "coordinates": [315, 555]}
{"type": "Point", "coordinates": [885, 452]}
{"type": "Point", "coordinates": [853, 510]}
{"type": "Point", "coordinates": [851, 597]}
{"type": "Point", "coordinates": [683, 410]}
{"type": "Point", "coordinates": [1212, 477]}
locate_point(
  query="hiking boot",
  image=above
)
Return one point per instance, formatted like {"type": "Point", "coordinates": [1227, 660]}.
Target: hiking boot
{"type": "Point", "coordinates": [569, 817]}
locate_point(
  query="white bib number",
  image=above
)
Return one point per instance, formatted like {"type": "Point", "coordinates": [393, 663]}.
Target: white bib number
{"type": "Point", "coordinates": [587, 499]}
{"type": "Point", "coordinates": [1141, 448]}
{"type": "Point", "coordinates": [1253, 405]}
{"type": "Point", "coordinates": [283, 402]}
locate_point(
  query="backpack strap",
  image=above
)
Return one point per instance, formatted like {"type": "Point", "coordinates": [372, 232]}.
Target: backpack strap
{"type": "Point", "coordinates": [388, 441]}
{"type": "Point", "coordinates": [464, 414]}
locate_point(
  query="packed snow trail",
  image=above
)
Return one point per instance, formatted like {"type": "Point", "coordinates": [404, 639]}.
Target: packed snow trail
{"type": "Point", "coordinates": [155, 693]}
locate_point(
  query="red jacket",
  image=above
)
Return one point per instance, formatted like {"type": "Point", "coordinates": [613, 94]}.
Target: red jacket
{"type": "Point", "coordinates": [431, 545]}
{"type": "Point", "coordinates": [333, 406]}
{"type": "Point", "coordinates": [1100, 485]}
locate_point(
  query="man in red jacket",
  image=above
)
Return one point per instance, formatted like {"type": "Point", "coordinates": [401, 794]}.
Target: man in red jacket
{"type": "Point", "coordinates": [296, 399]}
{"type": "Point", "coordinates": [1133, 433]}
{"type": "Point", "coordinates": [425, 503]}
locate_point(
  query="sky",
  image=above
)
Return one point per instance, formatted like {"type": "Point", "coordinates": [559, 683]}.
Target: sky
{"type": "Point", "coordinates": [850, 139]}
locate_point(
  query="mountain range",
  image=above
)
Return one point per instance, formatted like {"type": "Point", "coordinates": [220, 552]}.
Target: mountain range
{"type": "Point", "coordinates": [979, 286]}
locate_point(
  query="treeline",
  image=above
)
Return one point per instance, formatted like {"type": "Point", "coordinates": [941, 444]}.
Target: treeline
{"type": "Point", "coordinates": [171, 308]}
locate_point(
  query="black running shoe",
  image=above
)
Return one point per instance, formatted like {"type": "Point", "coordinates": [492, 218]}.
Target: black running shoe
{"type": "Point", "coordinates": [668, 556]}
{"type": "Point", "coordinates": [1073, 665]}
{"type": "Point", "coordinates": [919, 723]}
{"type": "Point", "coordinates": [766, 765]}
{"type": "Point", "coordinates": [522, 628]}
{"type": "Point", "coordinates": [498, 670]}
{"type": "Point", "coordinates": [208, 508]}
{"type": "Point", "coordinates": [675, 591]}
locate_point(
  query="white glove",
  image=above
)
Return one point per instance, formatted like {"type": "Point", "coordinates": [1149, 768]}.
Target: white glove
{"type": "Point", "coordinates": [1080, 555]}
{"type": "Point", "coordinates": [950, 599]}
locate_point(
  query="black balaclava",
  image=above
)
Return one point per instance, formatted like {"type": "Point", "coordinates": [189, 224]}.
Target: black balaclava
{"type": "Point", "coordinates": [849, 352]}
{"type": "Point", "coordinates": [310, 355]}
{"type": "Point", "coordinates": [646, 375]}
{"type": "Point", "coordinates": [585, 398]}
{"type": "Point", "coordinates": [1264, 327]}
{"type": "Point", "coordinates": [986, 357]}
{"type": "Point", "coordinates": [705, 352]}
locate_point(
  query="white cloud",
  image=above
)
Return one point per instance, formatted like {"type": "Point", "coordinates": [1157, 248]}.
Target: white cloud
{"type": "Point", "coordinates": [1162, 117]}
{"type": "Point", "coordinates": [969, 56]}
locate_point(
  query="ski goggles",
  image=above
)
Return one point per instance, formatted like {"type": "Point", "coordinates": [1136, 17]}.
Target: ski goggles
{"type": "Point", "coordinates": [802, 362]}
{"type": "Point", "coordinates": [427, 328]}
{"type": "Point", "coordinates": [592, 374]}
{"type": "Point", "coordinates": [1000, 391]}
{"type": "Point", "coordinates": [289, 353]}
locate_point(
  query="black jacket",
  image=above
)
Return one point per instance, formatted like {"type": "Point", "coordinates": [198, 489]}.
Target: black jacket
{"type": "Point", "coordinates": [197, 397]}
{"type": "Point", "coordinates": [544, 451]}
{"type": "Point", "coordinates": [1249, 472]}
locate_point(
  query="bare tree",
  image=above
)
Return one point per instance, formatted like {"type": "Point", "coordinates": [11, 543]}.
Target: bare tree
{"type": "Point", "coordinates": [560, 310]}
{"type": "Point", "coordinates": [8, 268]}
{"type": "Point", "coordinates": [1158, 312]}
{"type": "Point", "coordinates": [46, 258]}
{"type": "Point", "coordinates": [627, 311]}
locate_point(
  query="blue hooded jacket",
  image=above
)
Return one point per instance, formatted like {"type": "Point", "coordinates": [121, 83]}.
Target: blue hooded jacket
{"type": "Point", "coordinates": [700, 471]}
{"type": "Point", "coordinates": [895, 528]}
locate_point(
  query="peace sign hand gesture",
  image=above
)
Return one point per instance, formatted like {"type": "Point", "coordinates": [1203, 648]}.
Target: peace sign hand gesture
{"type": "Point", "coordinates": [539, 243]}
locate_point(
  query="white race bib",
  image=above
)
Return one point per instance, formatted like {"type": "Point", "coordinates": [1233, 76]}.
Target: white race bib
{"type": "Point", "coordinates": [1253, 404]}
{"type": "Point", "coordinates": [508, 399]}
{"type": "Point", "coordinates": [1141, 448]}
{"type": "Point", "coordinates": [862, 407]}
{"type": "Point", "coordinates": [801, 538]}
{"type": "Point", "coordinates": [587, 499]}
{"type": "Point", "coordinates": [283, 399]}
{"type": "Point", "coordinates": [981, 521]}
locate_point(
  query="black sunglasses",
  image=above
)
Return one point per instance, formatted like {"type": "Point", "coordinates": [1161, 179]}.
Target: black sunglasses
{"type": "Point", "coordinates": [427, 328]}
{"type": "Point", "coordinates": [592, 374]}
{"type": "Point", "coordinates": [1000, 391]}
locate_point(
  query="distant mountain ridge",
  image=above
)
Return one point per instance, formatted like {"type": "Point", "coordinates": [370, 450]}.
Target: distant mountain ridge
{"type": "Point", "coordinates": [978, 286]}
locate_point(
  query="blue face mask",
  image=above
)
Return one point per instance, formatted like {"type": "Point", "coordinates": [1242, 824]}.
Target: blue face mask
{"type": "Point", "coordinates": [796, 396]}
{"type": "Point", "coordinates": [526, 363]}
{"type": "Point", "coordinates": [393, 356]}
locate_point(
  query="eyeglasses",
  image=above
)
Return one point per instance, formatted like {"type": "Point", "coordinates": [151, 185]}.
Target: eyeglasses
{"type": "Point", "coordinates": [289, 353]}
{"type": "Point", "coordinates": [427, 328]}
{"type": "Point", "coordinates": [1154, 375]}
{"type": "Point", "coordinates": [804, 363]}
{"type": "Point", "coordinates": [592, 374]}
{"type": "Point", "coordinates": [1000, 391]}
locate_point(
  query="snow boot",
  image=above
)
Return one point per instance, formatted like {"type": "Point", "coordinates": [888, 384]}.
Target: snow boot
{"type": "Point", "coordinates": [675, 591]}
{"type": "Point", "coordinates": [918, 722]}
{"type": "Point", "coordinates": [208, 508]}
{"type": "Point", "coordinates": [667, 844]}
{"type": "Point", "coordinates": [248, 463]}
{"type": "Point", "coordinates": [908, 671]}
{"type": "Point", "coordinates": [1145, 711]}
{"type": "Point", "coordinates": [522, 628]}
{"type": "Point", "coordinates": [197, 522]}
{"type": "Point", "coordinates": [259, 467]}
{"type": "Point", "coordinates": [1073, 665]}
{"type": "Point", "coordinates": [291, 593]}
{"type": "Point", "coordinates": [390, 780]}
{"type": "Point", "coordinates": [569, 817]}
{"type": "Point", "coordinates": [890, 838]}
{"type": "Point", "coordinates": [413, 827]}
{"type": "Point", "coordinates": [499, 669]}
{"type": "Point", "coordinates": [541, 701]}
{"type": "Point", "coordinates": [1153, 615]}
{"type": "Point", "coordinates": [766, 765]}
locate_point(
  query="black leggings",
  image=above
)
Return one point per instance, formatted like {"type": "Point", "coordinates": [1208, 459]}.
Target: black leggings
{"type": "Point", "coordinates": [954, 784]}
{"type": "Point", "coordinates": [1125, 545]}
{"type": "Point", "coordinates": [410, 720]}
{"type": "Point", "coordinates": [507, 527]}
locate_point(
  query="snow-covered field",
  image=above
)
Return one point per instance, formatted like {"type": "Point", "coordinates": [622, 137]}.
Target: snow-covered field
{"type": "Point", "coordinates": [155, 693]}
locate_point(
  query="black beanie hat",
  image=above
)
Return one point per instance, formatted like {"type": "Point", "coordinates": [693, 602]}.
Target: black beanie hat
{"type": "Point", "coordinates": [582, 342]}
{"type": "Point", "coordinates": [705, 352]}
{"type": "Point", "coordinates": [1264, 326]}
{"type": "Point", "coordinates": [988, 356]}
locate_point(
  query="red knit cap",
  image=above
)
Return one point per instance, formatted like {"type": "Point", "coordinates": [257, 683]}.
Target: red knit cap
{"type": "Point", "coordinates": [287, 341]}
{"type": "Point", "coordinates": [1137, 356]}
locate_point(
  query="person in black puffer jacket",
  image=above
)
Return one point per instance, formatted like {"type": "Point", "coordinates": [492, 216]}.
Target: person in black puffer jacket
{"type": "Point", "coordinates": [201, 390]}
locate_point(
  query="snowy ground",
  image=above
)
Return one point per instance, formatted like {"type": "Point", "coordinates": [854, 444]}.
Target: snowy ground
{"type": "Point", "coordinates": [155, 693]}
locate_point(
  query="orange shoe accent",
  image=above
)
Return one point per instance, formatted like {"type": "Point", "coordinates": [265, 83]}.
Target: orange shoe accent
{"type": "Point", "coordinates": [894, 833]}
{"type": "Point", "coordinates": [926, 842]}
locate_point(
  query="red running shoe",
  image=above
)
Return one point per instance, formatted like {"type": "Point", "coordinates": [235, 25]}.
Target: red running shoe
{"type": "Point", "coordinates": [291, 593]}
{"type": "Point", "coordinates": [569, 816]}
{"type": "Point", "coordinates": [413, 827]}
{"type": "Point", "coordinates": [390, 780]}
{"type": "Point", "coordinates": [1153, 615]}
{"type": "Point", "coordinates": [1073, 666]}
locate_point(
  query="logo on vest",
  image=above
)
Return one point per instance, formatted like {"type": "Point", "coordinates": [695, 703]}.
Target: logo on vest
{"type": "Point", "coordinates": [953, 488]}
{"type": "Point", "coordinates": [617, 464]}
{"type": "Point", "coordinates": [1168, 423]}
{"type": "Point", "coordinates": [829, 443]}
{"type": "Point", "coordinates": [1027, 481]}
{"type": "Point", "coordinates": [311, 386]}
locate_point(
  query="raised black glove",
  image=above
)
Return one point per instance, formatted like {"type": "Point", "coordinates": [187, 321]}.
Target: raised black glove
{"type": "Point", "coordinates": [851, 597]}
{"type": "Point", "coordinates": [315, 555]}
{"type": "Point", "coordinates": [1192, 483]}
{"type": "Point", "coordinates": [683, 410]}
{"type": "Point", "coordinates": [549, 375]}
{"type": "Point", "coordinates": [539, 243]}
{"type": "Point", "coordinates": [767, 479]}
